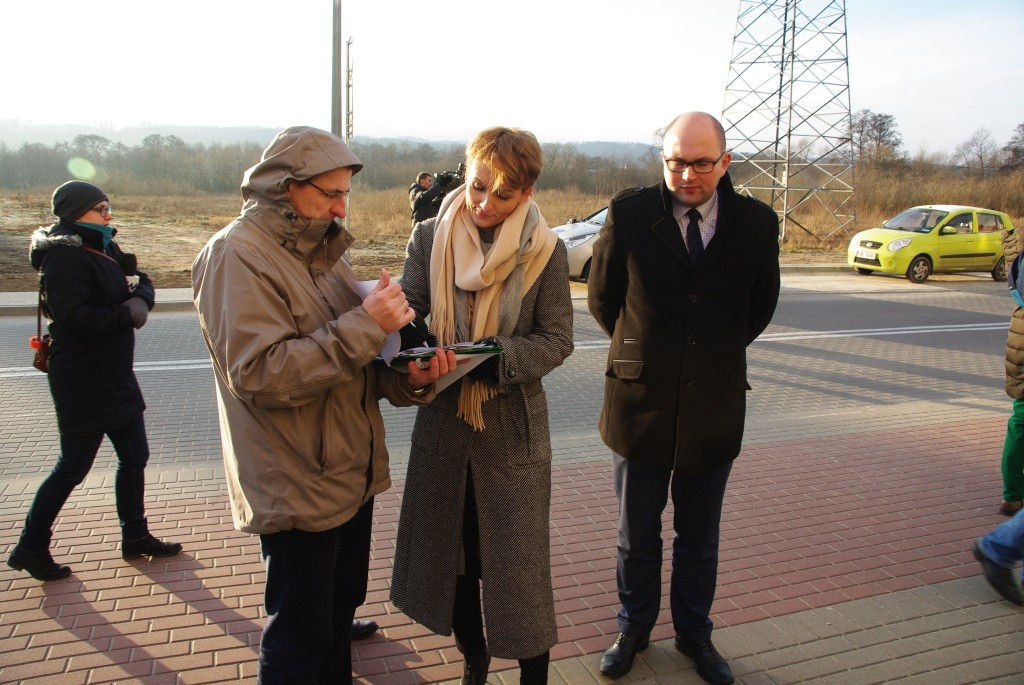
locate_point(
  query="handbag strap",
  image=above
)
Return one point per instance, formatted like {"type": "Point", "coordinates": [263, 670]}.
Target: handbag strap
{"type": "Point", "coordinates": [101, 254]}
{"type": "Point", "coordinates": [39, 309]}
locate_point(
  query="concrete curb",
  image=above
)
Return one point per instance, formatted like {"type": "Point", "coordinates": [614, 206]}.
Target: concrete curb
{"type": "Point", "coordinates": [180, 299]}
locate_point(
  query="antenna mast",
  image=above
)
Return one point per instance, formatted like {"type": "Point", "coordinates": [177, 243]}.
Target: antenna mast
{"type": "Point", "coordinates": [348, 90]}
{"type": "Point", "coordinates": [787, 112]}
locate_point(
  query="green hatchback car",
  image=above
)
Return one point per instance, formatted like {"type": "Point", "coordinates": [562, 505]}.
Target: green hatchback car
{"type": "Point", "coordinates": [933, 239]}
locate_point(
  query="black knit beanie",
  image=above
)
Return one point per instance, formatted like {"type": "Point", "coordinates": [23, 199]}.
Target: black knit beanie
{"type": "Point", "coordinates": [75, 198]}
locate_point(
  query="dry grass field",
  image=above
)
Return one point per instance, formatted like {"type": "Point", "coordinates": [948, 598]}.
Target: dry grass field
{"type": "Point", "coordinates": [167, 232]}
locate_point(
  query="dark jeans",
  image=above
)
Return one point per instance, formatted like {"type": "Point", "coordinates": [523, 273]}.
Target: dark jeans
{"type": "Point", "coordinates": [642, 492]}
{"type": "Point", "coordinates": [315, 582]}
{"type": "Point", "coordinates": [77, 454]}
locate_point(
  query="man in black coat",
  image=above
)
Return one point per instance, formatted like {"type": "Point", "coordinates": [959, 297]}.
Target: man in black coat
{"type": "Point", "coordinates": [685, 276]}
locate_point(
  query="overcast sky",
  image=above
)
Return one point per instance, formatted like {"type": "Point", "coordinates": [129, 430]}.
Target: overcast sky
{"type": "Point", "coordinates": [568, 70]}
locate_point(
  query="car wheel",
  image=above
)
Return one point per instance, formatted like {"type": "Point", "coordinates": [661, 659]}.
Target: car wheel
{"type": "Point", "coordinates": [919, 270]}
{"type": "Point", "coordinates": [999, 273]}
{"type": "Point", "coordinates": [865, 272]}
{"type": "Point", "coordinates": [585, 274]}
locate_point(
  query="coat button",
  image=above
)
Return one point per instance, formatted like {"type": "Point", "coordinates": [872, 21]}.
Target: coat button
{"type": "Point", "coordinates": [692, 298]}
{"type": "Point", "coordinates": [690, 340]}
{"type": "Point", "coordinates": [511, 373]}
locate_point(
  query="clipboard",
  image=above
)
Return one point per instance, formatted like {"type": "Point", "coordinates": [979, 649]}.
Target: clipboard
{"type": "Point", "coordinates": [468, 356]}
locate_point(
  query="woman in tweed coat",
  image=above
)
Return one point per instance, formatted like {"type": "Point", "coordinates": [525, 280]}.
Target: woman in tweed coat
{"type": "Point", "coordinates": [478, 490]}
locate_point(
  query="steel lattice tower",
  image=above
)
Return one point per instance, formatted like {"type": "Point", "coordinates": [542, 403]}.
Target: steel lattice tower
{"type": "Point", "coordinates": [787, 112]}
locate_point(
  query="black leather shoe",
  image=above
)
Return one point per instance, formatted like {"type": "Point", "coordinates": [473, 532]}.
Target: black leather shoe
{"type": "Point", "coordinates": [475, 670]}
{"type": "Point", "coordinates": [148, 546]}
{"type": "Point", "coordinates": [40, 565]}
{"type": "Point", "coordinates": [710, 664]}
{"type": "Point", "coordinates": [618, 659]}
{"type": "Point", "coordinates": [362, 629]}
{"type": "Point", "coordinates": [999, 577]}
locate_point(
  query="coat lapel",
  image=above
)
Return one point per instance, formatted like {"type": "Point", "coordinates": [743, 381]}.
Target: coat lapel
{"type": "Point", "coordinates": [667, 230]}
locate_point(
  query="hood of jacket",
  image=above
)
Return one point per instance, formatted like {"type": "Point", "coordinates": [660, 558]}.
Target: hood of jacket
{"type": "Point", "coordinates": [296, 154]}
{"type": "Point", "coordinates": [46, 238]}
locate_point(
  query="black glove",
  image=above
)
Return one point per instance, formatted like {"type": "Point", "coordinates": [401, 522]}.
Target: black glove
{"type": "Point", "coordinates": [487, 370]}
{"type": "Point", "coordinates": [139, 310]}
{"type": "Point", "coordinates": [129, 264]}
{"type": "Point", "coordinates": [416, 334]}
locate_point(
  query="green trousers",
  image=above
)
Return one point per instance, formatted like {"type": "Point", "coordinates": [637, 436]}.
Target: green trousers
{"type": "Point", "coordinates": [1013, 455]}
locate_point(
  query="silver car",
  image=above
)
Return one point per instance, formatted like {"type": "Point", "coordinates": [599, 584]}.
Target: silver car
{"type": "Point", "coordinates": [579, 237]}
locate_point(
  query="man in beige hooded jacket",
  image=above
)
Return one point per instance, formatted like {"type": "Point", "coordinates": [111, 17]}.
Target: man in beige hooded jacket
{"type": "Point", "coordinates": [293, 342]}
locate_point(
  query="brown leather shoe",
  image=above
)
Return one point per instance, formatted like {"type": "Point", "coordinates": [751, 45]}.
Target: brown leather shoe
{"type": "Point", "coordinates": [999, 577]}
{"type": "Point", "coordinates": [1010, 508]}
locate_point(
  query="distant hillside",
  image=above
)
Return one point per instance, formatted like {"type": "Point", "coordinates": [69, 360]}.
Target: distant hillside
{"type": "Point", "coordinates": [14, 134]}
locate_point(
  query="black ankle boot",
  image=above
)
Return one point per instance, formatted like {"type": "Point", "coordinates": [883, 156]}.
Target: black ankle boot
{"type": "Point", "coordinates": [475, 672]}
{"type": "Point", "coordinates": [40, 565]}
{"type": "Point", "coordinates": [148, 546]}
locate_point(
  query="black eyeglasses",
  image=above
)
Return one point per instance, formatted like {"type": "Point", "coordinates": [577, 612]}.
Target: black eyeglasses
{"type": "Point", "coordinates": [701, 166]}
{"type": "Point", "coordinates": [330, 196]}
{"type": "Point", "coordinates": [102, 209]}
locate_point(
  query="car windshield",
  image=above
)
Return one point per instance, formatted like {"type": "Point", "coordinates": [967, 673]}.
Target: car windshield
{"type": "Point", "coordinates": [919, 219]}
{"type": "Point", "coordinates": [597, 217]}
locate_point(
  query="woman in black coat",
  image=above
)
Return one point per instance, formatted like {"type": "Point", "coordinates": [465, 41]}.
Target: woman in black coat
{"type": "Point", "coordinates": [95, 300]}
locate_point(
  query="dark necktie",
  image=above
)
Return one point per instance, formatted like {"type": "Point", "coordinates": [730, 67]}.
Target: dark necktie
{"type": "Point", "coordinates": [693, 239]}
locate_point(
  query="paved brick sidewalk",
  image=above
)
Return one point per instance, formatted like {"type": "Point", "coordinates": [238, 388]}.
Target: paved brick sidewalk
{"type": "Point", "coordinates": [841, 563]}
{"type": "Point", "coordinates": [845, 553]}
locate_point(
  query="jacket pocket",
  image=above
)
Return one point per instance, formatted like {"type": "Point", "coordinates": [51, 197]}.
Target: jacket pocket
{"type": "Point", "coordinates": [625, 369]}
{"type": "Point", "coordinates": [525, 436]}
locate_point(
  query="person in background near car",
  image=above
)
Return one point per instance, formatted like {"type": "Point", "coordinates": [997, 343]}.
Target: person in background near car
{"type": "Point", "coordinates": [95, 299]}
{"type": "Point", "coordinates": [998, 552]}
{"type": "Point", "coordinates": [685, 275]}
{"type": "Point", "coordinates": [478, 491]}
{"type": "Point", "coordinates": [425, 197]}
{"type": "Point", "coordinates": [1012, 464]}
{"type": "Point", "coordinates": [293, 338]}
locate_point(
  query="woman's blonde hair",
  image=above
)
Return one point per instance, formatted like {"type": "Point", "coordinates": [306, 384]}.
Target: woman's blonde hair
{"type": "Point", "coordinates": [513, 155]}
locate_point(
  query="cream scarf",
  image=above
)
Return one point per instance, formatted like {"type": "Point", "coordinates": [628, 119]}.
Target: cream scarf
{"type": "Point", "coordinates": [474, 295]}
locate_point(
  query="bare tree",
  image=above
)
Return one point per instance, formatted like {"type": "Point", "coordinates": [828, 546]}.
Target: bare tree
{"type": "Point", "coordinates": [1014, 149]}
{"type": "Point", "coordinates": [92, 147]}
{"type": "Point", "coordinates": [979, 153]}
{"type": "Point", "coordinates": [876, 137]}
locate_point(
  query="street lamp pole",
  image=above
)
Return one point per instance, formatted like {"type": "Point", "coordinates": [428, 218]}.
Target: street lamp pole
{"type": "Point", "coordinates": [336, 73]}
